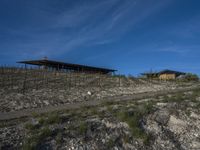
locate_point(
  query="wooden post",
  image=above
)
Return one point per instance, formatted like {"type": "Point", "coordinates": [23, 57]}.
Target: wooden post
{"type": "Point", "coordinates": [100, 80]}
{"type": "Point", "coordinates": [70, 80]}
{"type": "Point", "coordinates": [3, 77]}
{"type": "Point", "coordinates": [119, 80]}
{"type": "Point", "coordinates": [24, 84]}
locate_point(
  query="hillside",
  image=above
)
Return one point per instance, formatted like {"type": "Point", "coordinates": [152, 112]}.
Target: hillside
{"type": "Point", "coordinates": [164, 122]}
{"type": "Point", "coordinates": [121, 113]}
{"type": "Point", "coordinates": [22, 89]}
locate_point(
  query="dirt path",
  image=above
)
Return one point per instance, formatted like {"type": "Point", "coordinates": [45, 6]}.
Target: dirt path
{"type": "Point", "coordinates": [92, 102]}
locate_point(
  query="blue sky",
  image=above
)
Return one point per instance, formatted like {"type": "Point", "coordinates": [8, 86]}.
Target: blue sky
{"type": "Point", "coordinates": [132, 36]}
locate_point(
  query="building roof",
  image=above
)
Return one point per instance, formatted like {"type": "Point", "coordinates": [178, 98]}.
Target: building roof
{"type": "Point", "coordinates": [63, 65]}
{"type": "Point", "coordinates": [171, 72]}
{"type": "Point", "coordinates": [149, 73]}
{"type": "Point", "coordinates": [166, 71]}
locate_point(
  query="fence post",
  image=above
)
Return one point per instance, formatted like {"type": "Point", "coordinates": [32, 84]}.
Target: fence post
{"type": "Point", "coordinates": [100, 79]}
{"type": "Point", "coordinates": [25, 76]}
{"type": "Point", "coordinates": [3, 76]}
{"type": "Point", "coordinates": [119, 80]}
{"type": "Point", "coordinates": [69, 80]}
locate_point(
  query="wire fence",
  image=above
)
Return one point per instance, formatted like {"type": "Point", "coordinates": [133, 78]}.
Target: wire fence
{"type": "Point", "coordinates": [23, 79]}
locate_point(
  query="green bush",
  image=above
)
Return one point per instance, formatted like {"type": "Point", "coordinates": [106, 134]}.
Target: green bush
{"type": "Point", "coordinates": [54, 118]}
{"type": "Point", "coordinates": [34, 140]}
{"type": "Point", "coordinates": [50, 119]}
{"type": "Point", "coordinates": [110, 143]}
{"type": "Point", "coordinates": [30, 126]}
{"type": "Point", "coordinates": [82, 127]}
{"type": "Point", "coordinates": [133, 119]}
{"type": "Point", "coordinates": [59, 138]}
{"type": "Point", "coordinates": [191, 77]}
{"type": "Point", "coordinates": [177, 97]}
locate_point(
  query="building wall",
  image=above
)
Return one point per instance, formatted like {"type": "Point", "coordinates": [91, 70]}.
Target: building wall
{"type": "Point", "coordinates": [167, 76]}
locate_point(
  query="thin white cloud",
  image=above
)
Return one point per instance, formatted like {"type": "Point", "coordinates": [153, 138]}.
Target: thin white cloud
{"type": "Point", "coordinates": [117, 23]}
{"type": "Point", "coordinates": [181, 49]}
{"type": "Point", "coordinates": [185, 29]}
{"type": "Point", "coordinates": [83, 25]}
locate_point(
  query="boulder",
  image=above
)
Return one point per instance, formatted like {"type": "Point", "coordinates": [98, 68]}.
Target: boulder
{"type": "Point", "coordinates": [162, 117]}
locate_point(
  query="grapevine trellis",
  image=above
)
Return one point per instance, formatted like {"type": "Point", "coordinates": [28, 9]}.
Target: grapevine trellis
{"type": "Point", "coordinates": [24, 79]}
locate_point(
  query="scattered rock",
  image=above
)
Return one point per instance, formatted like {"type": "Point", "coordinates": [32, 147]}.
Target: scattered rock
{"type": "Point", "coordinates": [162, 117]}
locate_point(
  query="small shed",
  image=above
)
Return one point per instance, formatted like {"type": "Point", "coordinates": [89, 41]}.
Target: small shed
{"type": "Point", "coordinates": [163, 75]}
{"type": "Point", "coordinates": [169, 74]}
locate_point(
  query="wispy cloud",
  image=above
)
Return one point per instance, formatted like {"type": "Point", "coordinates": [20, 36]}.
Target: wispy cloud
{"type": "Point", "coordinates": [186, 29]}
{"type": "Point", "coordinates": [85, 24]}
{"type": "Point", "coordinates": [182, 50]}
{"type": "Point", "coordinates": [176, 49]}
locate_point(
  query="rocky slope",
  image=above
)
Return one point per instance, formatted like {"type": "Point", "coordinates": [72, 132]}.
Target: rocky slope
{"type": "Point", "coordinates": [59, 93]}
{"type": "Point", "coordinates": [29, 88]}
{"type": "Point", "coordinates": [167, 123]}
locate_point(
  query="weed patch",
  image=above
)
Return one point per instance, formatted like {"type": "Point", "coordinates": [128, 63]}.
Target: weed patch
{"type": "Point", "coordinates": [82, 127]}
{"type": "Point", "coordinates": [134, 119]}
{"type": "Point", "coordinates": [34, 140]}
{"type": "Point", "coordinates": [110, 143]}
{"type": "Point", "coordinates": [31, 127]}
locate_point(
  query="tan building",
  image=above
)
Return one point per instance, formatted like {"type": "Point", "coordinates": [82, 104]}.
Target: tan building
{"type": "Point", "coordinates": [164, 75]}
{"type": "Point", "coordinates": [167, 76]}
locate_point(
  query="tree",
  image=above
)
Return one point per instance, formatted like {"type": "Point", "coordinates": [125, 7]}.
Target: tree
{"type": "Point", "coordinates": [191, 77]}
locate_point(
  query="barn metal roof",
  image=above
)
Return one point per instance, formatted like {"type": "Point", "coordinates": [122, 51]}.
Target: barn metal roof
{"type": "Point", "coordinates": [166, 71]}
{"type": "Point", "coordinates": [63, 65]}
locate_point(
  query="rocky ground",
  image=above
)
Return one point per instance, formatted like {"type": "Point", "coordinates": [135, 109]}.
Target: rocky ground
{"type": "Point", "coordinates": [162, 123]}
{"type": "Point", "coordinates": [59, 93]}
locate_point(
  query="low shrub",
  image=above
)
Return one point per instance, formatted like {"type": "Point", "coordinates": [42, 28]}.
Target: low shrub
{"type": "Point", "coordinates": [134, 119]}
{"type": "Point", "coordinates": [34, 140]}
{"type": "Point", "coordinates": [82, 127]}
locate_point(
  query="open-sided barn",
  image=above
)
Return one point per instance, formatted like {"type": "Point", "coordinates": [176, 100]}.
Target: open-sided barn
{"type": "Point", "coordinates": [51, 64]}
